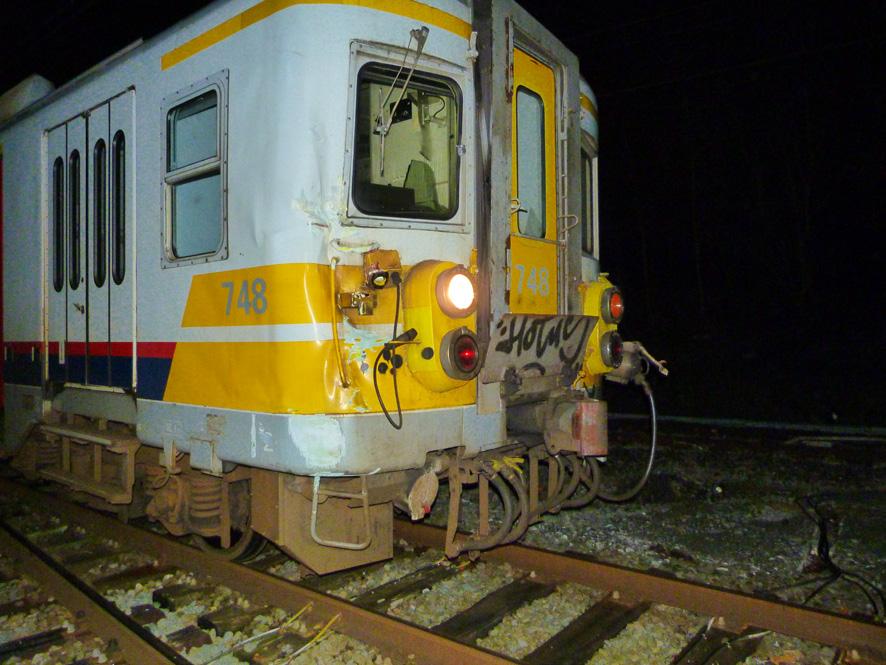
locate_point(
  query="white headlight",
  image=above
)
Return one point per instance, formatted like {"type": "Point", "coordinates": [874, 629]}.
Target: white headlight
{"type": "Point", "coordinates": [460, 291]}
{"type": "Point", "coordinates": [456, 294]}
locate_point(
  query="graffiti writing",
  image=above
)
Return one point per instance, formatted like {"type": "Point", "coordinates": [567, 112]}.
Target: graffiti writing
{"type": "Point", "coordinates": [541, 337]}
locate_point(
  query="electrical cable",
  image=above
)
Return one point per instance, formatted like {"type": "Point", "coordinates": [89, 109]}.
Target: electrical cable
{"type": "Point", "coordinates": [633, 491]}
{"type": "Point", "coordinates": [391, 349]}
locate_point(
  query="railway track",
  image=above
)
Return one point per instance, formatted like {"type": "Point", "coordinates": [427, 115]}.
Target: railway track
{"type": "Point", "coordinates": [515, 604]}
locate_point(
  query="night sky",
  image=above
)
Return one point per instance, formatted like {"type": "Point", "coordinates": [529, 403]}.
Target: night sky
{"type": "Point", "coordinates": [743, 184]}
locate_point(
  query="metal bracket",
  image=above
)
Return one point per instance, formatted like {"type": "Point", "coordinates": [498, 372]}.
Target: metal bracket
{"type": "Point", "coordinates": [363, 495]}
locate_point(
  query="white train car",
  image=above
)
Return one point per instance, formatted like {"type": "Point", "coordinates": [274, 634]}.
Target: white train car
{"type": "Point", "coordinates": [283, 266]}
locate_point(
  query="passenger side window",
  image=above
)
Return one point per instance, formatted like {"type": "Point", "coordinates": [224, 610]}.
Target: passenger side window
{"type": "Point", "coordinates": [194, 179]}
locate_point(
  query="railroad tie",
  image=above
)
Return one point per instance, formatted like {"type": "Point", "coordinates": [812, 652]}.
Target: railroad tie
{"type": "Point", "coordinates": [32, 644]}
{"type": "Point", "coordinates": [129, 578]}
{"type": "Point", "coordinates": [189, 637]}
{"type": "Point", "coordinates": [176, 596]}
{"type": "Point", "coordinates": [145, 614]}
{"type": "Point", "coordinates": [478, 620]}
{"type": "Point", "coordinates": [380, 598]}
{"type": "Point", "coordinates": [230, 618]}
{"type": "Point", "coordinates": [575, 644]}
{"type": "Point", "coordinates": [728, 648]}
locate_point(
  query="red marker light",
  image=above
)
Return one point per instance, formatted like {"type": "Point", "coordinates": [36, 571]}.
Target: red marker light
{"type": "Point", "coordinates": [612, 306]}
{"type": "Point", "coordinates": [616, 306]}
{"type": "Point", "coordinates": [466, 353]}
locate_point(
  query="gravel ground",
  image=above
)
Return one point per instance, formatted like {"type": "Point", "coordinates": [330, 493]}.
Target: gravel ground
{"type": "Point", "coordinates": [433, 606]}
{"type": "Point", "coordinates": [338, 649]}
{"type": "Point", "coordinates": [654, 639]}
{"type": "Point", "coordinates": [527, 628]}
{"type": "Point", "coordinates": [723, 508]}
{"type": "Point", "coordinates": [91, 650]}
{"type": "Point", "coordinates": [37, 620]}
{"type": "Point", "coordinates": [392, 570]}
{"type": "Point", "coordinates": [778, 649]}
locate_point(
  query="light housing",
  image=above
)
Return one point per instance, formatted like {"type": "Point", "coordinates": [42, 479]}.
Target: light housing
{"type": "Point", "coordinates": [456, 292]}
{"type": "Point", "coordinates": [611, 349]}
{"type": "Point", "coordinates": [460, 354]}
{"type": "Point", "coordinates": [612, 305]}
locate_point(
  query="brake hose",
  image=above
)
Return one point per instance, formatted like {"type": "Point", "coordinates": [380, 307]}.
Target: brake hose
{"type": "Point", "coordinates": [631, 493]}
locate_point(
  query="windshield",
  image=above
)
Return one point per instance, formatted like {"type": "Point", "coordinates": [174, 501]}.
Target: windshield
{"type": "Point", "coordinates": [412, 169]}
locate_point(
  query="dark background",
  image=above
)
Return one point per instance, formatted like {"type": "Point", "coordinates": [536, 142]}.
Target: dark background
{"type": "Point", "coordinates": [743, 184]}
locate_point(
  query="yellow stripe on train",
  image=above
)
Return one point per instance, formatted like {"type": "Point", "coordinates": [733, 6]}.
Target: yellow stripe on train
{"type": "Point", "coordinates": [290, 375]}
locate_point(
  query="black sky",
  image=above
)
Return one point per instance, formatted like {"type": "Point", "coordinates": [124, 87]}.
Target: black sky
{"type": "Point", "coordinates": [743, 180]}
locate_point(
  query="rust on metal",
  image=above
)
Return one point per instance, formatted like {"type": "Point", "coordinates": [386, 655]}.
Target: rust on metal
{"type": "Point", "coordinates": [387, 634]}
{"type": "Point", "coordinates": [97, 618]}
{"type": "Point", "coordinates": [736, 608]}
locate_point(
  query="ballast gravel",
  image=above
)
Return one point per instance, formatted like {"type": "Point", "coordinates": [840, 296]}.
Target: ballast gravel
{"type": "Point", "coordinates": [338, 649]}
{"type": "Point", "coordinates": [91, 651]}
{"type": "Point", "coordinates": [777, 648]}
{"type": "Point", "coordinates": [656, 637]}
{"type": "Point", "coordinates": [524, 630]}
{"type": "Point", "coordinates": [449, 597]}
{"type": "Point", "coordinates": [393, 570]}
{"type": "Point", "coordinates": [37, 620]}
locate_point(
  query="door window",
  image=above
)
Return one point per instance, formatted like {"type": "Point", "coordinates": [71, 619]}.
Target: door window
{"type": "Point", "coordinates": [99, 213]}
{"type": "Point", "coordinates": [530, 164]}
{"type": "Point", "coordinates": [74, 217]}
{"type": "Point", "coordinates": [118, 209]}
{"type": "Point", "coordinates": [58, 224]}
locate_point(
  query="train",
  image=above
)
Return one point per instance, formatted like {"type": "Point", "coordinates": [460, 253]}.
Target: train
{"type": "Point", "coordinates": [291, 266]}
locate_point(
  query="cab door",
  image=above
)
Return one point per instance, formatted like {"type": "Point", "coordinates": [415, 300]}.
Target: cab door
{"type": "Point", "coordinates": [533, 248]}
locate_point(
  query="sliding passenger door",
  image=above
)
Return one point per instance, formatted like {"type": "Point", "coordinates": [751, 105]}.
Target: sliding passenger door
{"type": "Point", "coordinates": [76, 251]}
{"type": "Point", "coordinates": [90, 236]}
{"type": "Point", "coordinates": [56, 235]}
{"type": "Point", "coordinates": [98, 187]}
{"type": "Point", "coordinates": [121, 240]}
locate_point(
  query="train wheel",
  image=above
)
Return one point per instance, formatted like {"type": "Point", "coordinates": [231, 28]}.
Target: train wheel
{"type": "Point", "coordinates": [246, 545]}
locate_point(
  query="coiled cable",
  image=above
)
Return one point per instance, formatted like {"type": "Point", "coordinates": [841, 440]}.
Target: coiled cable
{"type": "Point", "coordinates": [619, 497]}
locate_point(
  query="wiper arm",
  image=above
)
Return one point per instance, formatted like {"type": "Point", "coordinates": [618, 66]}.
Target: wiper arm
{"type": "Point", "coordinates": [382, 126]}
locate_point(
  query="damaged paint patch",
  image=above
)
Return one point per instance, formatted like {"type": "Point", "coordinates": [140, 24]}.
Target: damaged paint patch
{"type": "Point", "coordinates": [363, 344]}
{"type": "Point", "coordinates": [326, 447]}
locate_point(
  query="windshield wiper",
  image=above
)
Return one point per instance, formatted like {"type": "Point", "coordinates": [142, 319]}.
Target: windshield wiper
{"type": "Point", "coordinates": [382, 126]}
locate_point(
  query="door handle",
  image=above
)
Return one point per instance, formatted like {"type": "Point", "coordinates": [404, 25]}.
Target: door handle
{"type": "Point", "coordinates": [80, 308]}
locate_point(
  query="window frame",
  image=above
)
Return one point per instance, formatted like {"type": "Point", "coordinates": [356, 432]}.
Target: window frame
{"type": "Point", "coordinates": [99, 213]}
{"type": "Point", "coordinates": [59, 235]}
{"type": "Point", "coordinates": [118, 194]}
{"type": "Point", "coordinates": [461, 221]}
{"type": "Point", "coordinates": [217, 83]}
{"type": "Point", "coordinates": [75, 219]}
{"type": "Point", "coordinates": [532, 94]}
{"type": "Point", "coordinates": [589, 149]}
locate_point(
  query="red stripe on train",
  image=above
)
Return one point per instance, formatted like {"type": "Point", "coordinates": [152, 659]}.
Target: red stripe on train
{"type": "Point", "coordinates": [116, 349]}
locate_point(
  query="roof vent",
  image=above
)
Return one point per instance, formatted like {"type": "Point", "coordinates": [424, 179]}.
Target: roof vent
{"type": "Point", "coordinates": [21, 96]}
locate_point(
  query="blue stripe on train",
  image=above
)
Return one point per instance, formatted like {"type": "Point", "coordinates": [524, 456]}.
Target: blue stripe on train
{"type": "Point", "coordinates": [153, 373]}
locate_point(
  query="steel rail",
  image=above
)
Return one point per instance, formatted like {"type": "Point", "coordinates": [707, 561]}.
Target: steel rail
{"type": "Point", "coordinates": [94, 615]}
{"type": "Point", "coordinates": [388, 634]}
{"type": "Point", "coordinates": [738, 609]}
